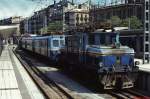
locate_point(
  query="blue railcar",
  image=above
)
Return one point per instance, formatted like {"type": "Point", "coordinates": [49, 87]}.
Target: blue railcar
{"type": "Point", "coordinates": [48, 46]}
{"type": "Point", "coordinates": [101, 54]}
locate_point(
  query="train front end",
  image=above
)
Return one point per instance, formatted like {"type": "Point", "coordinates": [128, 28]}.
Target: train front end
{"type": "Point", "coordinates": [116, 67]}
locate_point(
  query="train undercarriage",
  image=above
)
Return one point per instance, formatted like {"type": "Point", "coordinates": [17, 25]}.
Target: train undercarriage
{"type": "Point", "coordinates": [117, 81]}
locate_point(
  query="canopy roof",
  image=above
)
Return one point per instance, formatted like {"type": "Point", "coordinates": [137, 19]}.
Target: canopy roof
{"type": "Point", "coordinates": [8, 30]}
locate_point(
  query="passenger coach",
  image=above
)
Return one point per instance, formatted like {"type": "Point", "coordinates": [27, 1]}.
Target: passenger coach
{"type": "Point", "coordinates": [48, 46]}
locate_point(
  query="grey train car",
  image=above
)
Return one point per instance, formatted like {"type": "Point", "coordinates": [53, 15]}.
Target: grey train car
{"type": "Point", "coordinates": [101, 54]}
{"type": "Point", "coordinates": [48, 46]}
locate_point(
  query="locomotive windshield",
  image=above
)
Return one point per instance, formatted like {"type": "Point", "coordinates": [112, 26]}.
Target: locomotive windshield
{"type": "Point", "coordinates": [109, 39]}
{"type": "Point", "coordinates": [104, 39]}
{"type": "Point", "coordinates": [55, 43]}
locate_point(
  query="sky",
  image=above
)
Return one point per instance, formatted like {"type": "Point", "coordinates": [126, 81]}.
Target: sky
{"type": "Point", "coordinates": [23, 8]}
{"type": "Point", "coordinates": [16, 8]}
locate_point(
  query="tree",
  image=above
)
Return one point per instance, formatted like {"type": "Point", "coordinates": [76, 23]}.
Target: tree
{"type": "Point", "coordinates": [135, 23]}
{"type": "Point", "coordinates": [43, 30]}
{"type": "Point", "coordinates": [115, 21]}
{"type": "Point", "coordinates": [132, 23]}
{"type": "Point", "coordinates": [125, 23]}
{"type": "Point", "coordinates": [55, 26]}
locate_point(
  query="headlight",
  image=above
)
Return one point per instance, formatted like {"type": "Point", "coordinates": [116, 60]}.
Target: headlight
{"type": "Point", "coordinates": [100, 64]}
{"type": "Point", "coordinates": [137, 63]}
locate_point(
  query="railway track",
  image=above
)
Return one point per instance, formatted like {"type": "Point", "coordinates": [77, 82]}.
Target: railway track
{"type": "Point", "coordinates": [128, 94]}
{"type": "Point", "coordinates": [49, 88]}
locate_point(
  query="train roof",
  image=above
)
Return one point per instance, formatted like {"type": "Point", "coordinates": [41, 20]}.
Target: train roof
{"type": "Point", "coordinates": [115, 32]}
{"type": "Point", "coordinates": [43, 37]}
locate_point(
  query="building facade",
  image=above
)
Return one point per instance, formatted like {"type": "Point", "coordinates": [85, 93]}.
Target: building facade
{"type": "Point", "coordinates": [11, 20]}
{"type": "Point", "coordinates": [77, 18]}
{"type": "Point", "coordinates": [124, 10]}
{"type": "Point", "coordinates": [71, 15]}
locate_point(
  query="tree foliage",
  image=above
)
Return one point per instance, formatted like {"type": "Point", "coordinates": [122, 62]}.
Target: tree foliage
{"type": "Point", "coordinates": [135, 23]}
{"type": "Point", "coordinates": [115, 21]}
{"type": "Point", "coordinates": [132, 22]}
{"type": "Point", "coordinates": [55, 26]}
{"type": "Point", "coordinates": [125, 23]}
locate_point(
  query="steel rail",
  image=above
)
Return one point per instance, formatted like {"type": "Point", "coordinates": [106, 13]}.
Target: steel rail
{"type": "Point", "coordinates": [38, 76]}
{"type": "Point", "coordinates": [127, 94]}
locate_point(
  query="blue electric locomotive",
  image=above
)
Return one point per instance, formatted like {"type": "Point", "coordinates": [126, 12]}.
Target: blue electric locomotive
{"type": "Point", "coordinates": [101, 54]}
{"type": "Point", "coordinates": [48, 46]}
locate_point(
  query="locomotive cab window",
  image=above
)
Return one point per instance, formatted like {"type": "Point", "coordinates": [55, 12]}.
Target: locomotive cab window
{"type": "Point", "coordinates": [105, 39]}
{"type": "Point", "coordinates": [109, 39]}
{"type": "Point", "coordinates": [55, 43]}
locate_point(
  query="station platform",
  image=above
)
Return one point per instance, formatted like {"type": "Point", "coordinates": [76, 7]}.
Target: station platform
{"type": "Point", "coordinates": [143, 67]}
{"type": "Point", "coordinates": [15, 83]}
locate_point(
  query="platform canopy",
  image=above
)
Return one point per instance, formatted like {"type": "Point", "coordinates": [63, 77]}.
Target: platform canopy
{"type": "Point", "coordinates": [8, 30]}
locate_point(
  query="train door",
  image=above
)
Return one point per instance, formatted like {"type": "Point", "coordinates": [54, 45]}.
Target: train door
{"type": "Point", "coordinates": [83, 44]}
{"type": "Point", "coordinates": [33, 45]}
{"type": "Point", "coordinates": [49, 46]}
{"type": "Point", "coordinates": [25, 44]}
{"type": "Point", "coordinates": [46, 46]}
{"type": "Point", "coordinates": [40, 45]}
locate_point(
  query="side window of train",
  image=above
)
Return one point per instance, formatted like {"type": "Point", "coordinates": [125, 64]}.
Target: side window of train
{"type": "Point", "coordinates": [55, 43]}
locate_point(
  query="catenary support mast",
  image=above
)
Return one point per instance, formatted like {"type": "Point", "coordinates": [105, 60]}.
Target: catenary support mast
{"type": "Point", "coordinates": [146, 55]}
